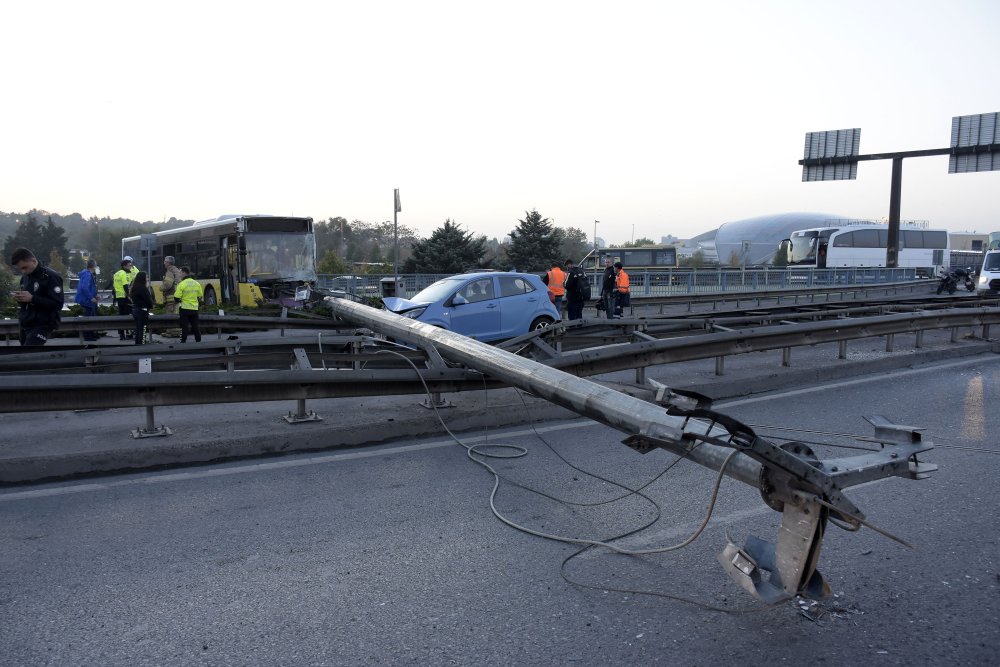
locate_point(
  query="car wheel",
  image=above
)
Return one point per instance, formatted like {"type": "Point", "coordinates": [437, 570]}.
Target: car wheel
{"type": "Point", "coordinates": [540, 323]}
{"type": "Point", "coordinates": [210, 299]}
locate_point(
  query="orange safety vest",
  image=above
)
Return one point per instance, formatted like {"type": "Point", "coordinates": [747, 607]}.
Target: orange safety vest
{"type": "Point", "coordinates": [556, 279]}
{"type": "Point", "coordinates": [621, 282]}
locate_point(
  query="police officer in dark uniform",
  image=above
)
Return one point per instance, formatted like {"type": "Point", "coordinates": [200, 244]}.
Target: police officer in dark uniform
{"type": "Point", "coordinates": [40, 299]}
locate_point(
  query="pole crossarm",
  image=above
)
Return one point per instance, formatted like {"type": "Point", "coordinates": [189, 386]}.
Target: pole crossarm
{"type": "Point", "coordinates": [849, 159]}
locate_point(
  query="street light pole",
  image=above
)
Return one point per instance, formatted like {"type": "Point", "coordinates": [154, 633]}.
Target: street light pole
{"type": "Point", "coordinates": [596, 254]}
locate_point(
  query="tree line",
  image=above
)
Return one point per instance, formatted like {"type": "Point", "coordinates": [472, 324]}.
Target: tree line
{"type": "Point", "coordinates": [65, 243]}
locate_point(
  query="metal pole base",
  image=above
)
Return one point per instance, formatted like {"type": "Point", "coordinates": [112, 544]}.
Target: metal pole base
{"type": "Point", "coordinates": [151, 432]}
{"type": "Point", "coordinates": [435, 401]}
{"type": "Point", "coordinates": [306, 417]}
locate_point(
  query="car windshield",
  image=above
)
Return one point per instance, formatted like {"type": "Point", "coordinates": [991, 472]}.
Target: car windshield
{"type": "Point", "coordinates": [992, 262]}
{"type": "Point", "coordinates": [438, 291]}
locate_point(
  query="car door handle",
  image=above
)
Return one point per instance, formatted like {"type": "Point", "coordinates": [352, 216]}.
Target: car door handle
{"type": "Point", "coordinates": [492, 305]}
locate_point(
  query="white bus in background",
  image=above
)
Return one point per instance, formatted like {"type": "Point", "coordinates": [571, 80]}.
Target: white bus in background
{"type": "Point", "coordinates": [863, 245]}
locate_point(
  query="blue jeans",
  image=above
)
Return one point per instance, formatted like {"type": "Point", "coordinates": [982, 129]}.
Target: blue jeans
{"type": "Point", "coordinates": [89, 311]}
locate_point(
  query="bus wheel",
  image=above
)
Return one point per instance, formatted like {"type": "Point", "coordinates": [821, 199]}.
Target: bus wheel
{"type": "Point", "coordinates": [210, 299]}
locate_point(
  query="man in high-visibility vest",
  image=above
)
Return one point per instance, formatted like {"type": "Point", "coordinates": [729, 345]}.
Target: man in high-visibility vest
{"type": "Point", "coordinates": [555, 278]}
{"type": "Point", "coordinates": [122, 280]}
{"type": "Point", "coordinates": [621, 294]}
{"type": "Point", "coordinates": [188, 293]}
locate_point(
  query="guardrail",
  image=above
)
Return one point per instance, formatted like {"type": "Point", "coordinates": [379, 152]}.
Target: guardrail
{"type": "Point", "coordinates": [35, 392]}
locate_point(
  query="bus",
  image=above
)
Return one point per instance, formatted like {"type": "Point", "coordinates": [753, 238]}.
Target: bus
{"type": "Point", "coordinates": [243, 260]}
{"type": "Point", "coordinates": [633, 259]}
{"type": "Point", "coordinates": [864, 245]}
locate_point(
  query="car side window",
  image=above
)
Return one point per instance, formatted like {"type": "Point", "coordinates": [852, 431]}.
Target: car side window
{"type": "Point", "coordinates": [514, 285]}
{"type": "Point", "coordinates": [478, 290]}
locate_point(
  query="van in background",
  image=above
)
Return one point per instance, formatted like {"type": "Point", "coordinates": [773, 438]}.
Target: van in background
{"type": "Point", "coordinates": [989, 274]}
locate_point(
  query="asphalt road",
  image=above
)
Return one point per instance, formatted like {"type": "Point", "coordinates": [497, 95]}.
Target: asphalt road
{"type": "Point", "coordinates": [391, 555]}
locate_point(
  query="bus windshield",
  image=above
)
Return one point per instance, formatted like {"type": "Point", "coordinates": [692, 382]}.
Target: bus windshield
{"type": "Point", "coordinates": [280, 257]}
{"type": "Point", "coordinates": [803, 248]}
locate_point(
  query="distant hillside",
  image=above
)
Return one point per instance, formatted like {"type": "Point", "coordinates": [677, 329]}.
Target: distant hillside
{"type": "Point", "coordinates": [75, 224]}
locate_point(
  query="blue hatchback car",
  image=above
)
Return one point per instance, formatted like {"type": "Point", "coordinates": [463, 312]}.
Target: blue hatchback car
{"type": "Point", "coordinates": [486, 306]}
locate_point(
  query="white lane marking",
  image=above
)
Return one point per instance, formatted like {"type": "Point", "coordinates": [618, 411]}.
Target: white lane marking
{"type": "Point", "coordinates": [848, 383]}
{"type": "Point", "coordinates": [242, 469]}
{"type": "Point", "coordinates": [346, 456]}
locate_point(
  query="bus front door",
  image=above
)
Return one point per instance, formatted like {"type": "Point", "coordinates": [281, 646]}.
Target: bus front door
{"type": "Point", "coordinates": [230, 271]}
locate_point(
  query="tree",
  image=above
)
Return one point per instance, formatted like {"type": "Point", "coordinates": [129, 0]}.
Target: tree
{"type": "Point", "coordinates": [448, 250]}
{"type": "Point", "coordinates": [56, 263]}
{"type": "Point", "coordinates": [27, 235]}
{"type": "Point", "coordinates": [640, 243]}
{"type": "Point", "coordinates": [573, 244]}
{"type": "Point", "coordinates": [696, 260]}
{"type": "Point", "coordinates": [534, 243]}
{"type": "Point", "coordinates": [332, 263]}
{"type": "Point", "coordinates": [54, 241]}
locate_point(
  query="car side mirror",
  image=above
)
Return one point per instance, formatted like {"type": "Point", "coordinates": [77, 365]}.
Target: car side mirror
{"type": "Point", "coordinates": [458, 300]}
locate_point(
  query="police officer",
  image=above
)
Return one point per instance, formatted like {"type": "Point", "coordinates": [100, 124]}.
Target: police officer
{"type": "Point", "coordinates": [122, 280]}
{"type": "Point", "coordinates": [40, 299]}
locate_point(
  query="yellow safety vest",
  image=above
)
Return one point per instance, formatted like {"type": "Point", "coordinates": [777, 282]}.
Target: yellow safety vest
{"type": "Point", "coordinates": [187, 293]}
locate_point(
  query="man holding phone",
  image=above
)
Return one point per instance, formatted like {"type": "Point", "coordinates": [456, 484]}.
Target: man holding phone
{"type": "Point", "coordinates": [40, 299]}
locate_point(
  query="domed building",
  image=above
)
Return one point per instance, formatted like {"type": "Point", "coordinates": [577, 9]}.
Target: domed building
{"type": "Point", "coordinates": [763, 235]}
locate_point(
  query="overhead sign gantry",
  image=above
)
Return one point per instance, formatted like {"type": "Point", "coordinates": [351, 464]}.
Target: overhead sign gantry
{"type": "Point", "coordinates": [833, 156]}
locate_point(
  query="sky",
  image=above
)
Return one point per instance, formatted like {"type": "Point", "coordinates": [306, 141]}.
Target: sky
{"type": "Point", "coordinates": [653, 118]}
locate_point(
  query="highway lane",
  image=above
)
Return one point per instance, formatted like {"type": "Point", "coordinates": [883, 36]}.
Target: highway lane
{"type": "Point", "coordinates": [391, 555]}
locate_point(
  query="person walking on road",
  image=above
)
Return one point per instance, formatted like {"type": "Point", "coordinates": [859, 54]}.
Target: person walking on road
{"type": "Point", "coordinates": [577, 290]}
{"type": "Point", "coordinates": [142, 303]}
{"type": "Point", "coordinates": [40, 299]}
{"type": "Point", "coordinates": [122, 280]}
{"type": "Point", "coordinates": [86, 295]}
{"type": "Point", "coordinates": [188, 293]}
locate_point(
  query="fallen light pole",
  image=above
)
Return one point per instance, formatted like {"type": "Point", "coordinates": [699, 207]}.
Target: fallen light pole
{"type": "Point", "coordinates": [790, 478]}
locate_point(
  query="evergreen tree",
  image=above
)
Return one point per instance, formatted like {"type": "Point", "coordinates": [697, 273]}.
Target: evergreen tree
{"type": "Point", "coordinates": [27, 235]}
{"type": "Point", "coordinates": [534, 243]}
{"type": "Point", "coordinates": [448, 250]}
{"type": "Point", "coordinates": [53, 241]}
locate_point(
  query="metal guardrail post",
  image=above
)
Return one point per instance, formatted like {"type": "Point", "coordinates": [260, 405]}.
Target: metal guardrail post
{"type": "Point", "coordinates": [150, 430]}
{"type": "Point", "coordinates": [920, 339]}
{"type": "Point", "coordinates": [954, 334]}
{"type": "Point", "coordinates": [720, 365]}
{"type": "Point", "coordinates": [301, 416]}
{"type": "Point", "coordinates": [786, 356]}
{"type": "Point", "coordinates": [842, 350]}
{"type": "Point", "coordinates": [889, 340]}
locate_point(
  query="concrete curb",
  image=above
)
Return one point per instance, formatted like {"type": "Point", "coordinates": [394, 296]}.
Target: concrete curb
{"type": "Point", "coordinates": [409, 420]}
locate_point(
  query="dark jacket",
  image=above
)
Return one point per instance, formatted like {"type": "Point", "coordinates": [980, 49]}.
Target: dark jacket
{"type": "Point", "coordinates": [141, 297]}
{"type": "Point", "coordinates": [577, 287]}
{"type": "Point", "coordinates": [608, 282]}
{"type": "Point", "coordinates": [44, 309]}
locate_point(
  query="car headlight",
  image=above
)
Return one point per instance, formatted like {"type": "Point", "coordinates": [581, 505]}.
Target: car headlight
{"type": "Point", "coordinates": [983, 280]}
{"type": "Point", "coordinates": [415, 313]}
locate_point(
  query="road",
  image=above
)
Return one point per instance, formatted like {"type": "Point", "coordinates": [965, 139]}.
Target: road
{"type": "Point", "coordinates": [390, 555]}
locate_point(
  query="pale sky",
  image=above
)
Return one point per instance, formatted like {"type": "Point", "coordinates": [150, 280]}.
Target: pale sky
{"type": "Point", "coordinates": [672, 117]}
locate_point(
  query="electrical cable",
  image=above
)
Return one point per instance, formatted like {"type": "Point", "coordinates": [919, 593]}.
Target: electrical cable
{"type": "Point", "coordinates": [473, 450]}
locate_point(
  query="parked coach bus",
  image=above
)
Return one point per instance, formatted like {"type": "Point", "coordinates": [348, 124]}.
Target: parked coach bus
{"type": "Point", "coordinates": [864, 245]}
{"type": "Point", "coordinates": [239, 259]}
